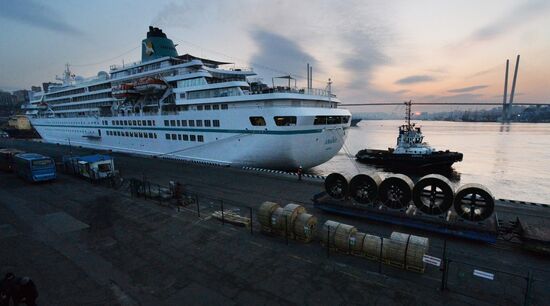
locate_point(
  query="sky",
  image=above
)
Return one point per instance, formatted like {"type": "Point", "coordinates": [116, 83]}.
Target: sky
{"type": "Point", "coordinates": [373, 51]}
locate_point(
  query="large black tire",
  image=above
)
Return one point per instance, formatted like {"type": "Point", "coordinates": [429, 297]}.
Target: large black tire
{"type": "Point", "coordinates": [396, 191]}
{"type": "Point", "coordinates": [363, 188]}
{"type": "Point", "coordinates": [433, 194]}
{"type": "Point", "coordinates": [474, 202]}
{"type": "Point", "coordinates": [336, 186]}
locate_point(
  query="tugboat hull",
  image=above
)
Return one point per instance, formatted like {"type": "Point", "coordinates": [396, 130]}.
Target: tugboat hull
{"type": "Point", "coordinates": [385, 158]}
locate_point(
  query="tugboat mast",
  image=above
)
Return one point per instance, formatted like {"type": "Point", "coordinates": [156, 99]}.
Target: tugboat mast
{"type": "Point", "coordinates": [408, 112]}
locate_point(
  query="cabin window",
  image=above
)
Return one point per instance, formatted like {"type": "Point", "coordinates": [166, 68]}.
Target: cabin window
{"type": "Point", "coordinates": [285, 120]}
{"type": "Point", "coordinates": [166, 122]}
{"type": "Point", "coordinates": [199, 122]}
{"type": "Point", "coordinates": [207, 107]}
{"type": "Point", "coordinates": [200, 138]}
{"type": "Point", "coordinates": [145, 135]}
{"type": "Point", "coordinates": [139, 122]}
{"type": "Point", "coordinates": [215, 106]}
{"type": "Point", "coordinates": [174, 136]}
{"type": "Point", "coordinates": [257, 121]}
{"type": "Point", "coordinates": [191, 122]}
{"type": "Point", "coordinates": [167, 136]}
{"type": "Point", "coordinates": [224, 106]}
{"type": "Point", "coordinates": [193, 137]}
{"type": "Point", "coordinates": [216, 123]}
{"type": "Point", "coordinates": [199, 107]}
{"type": "Point", "coordinates": [186, 137]}
{"type": "Point", "coordinates": [135, 123]}
{"type": "Point", "coordinates": [179, 136]}
{"type": "Point", "coordinates": [207, 123]}
{"type": "Point", "coordinates": [151, 135]}
{"type": "Point", "coordinates": [172, 122]}
{"type": "Point", "coordinates": [144, 122]}
{"type": "Point", "coordinates": [178, 122]}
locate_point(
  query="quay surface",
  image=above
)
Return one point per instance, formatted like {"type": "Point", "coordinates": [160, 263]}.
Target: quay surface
{"type": "Point", "coordinates": [91, 245]}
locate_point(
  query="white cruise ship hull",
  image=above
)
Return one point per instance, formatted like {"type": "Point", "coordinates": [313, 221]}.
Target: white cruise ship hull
{"type": "Point", "coordinates": [287, 147]}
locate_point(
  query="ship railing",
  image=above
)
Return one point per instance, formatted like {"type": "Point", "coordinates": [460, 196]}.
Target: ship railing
{"type": "Point", "coordinates": [304, 91]}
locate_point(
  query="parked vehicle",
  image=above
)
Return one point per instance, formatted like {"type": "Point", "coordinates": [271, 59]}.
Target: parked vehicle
{"type": "Point", "coordinates": [35, 167]}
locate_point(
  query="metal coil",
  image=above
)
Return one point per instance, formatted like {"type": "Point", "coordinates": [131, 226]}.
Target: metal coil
{"type": "Point", "coordinates": [433, 194]}
{"type": "Point", "coordinates": [363, 188]}
{"type": "Point", "coordinates": [396, 191]}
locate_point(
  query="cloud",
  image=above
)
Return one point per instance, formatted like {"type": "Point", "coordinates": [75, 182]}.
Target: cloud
{"type": "Point", "coordinates": [467, 89]}
{"type": "Point", "coordinates": [275, 50]}
{"type": "Point", "coordinates": [402, 91]}
{"type": "Point", "coordinates": [38, 15]}
{"type": "Point", "coordinates": [415, 79]}
{"type": "Point", "coordinates": [364, 56]}
{"type": "Point", "coordinates": [522, 13]}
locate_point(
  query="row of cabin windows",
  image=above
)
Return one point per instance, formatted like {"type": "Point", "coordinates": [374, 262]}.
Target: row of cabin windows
{"type": "Point", "coordinates": [184, 137]}
{"type": "Point", "coordinates": [133, 122]}
{"type": "Point", "coordinates": [199, 123]}
{"type": "Point", "coordinates": [322, 120]}
{"type": "Point", "coordinates": [279, 121]}
{"type": "Point", "coordinates": [133, 134]}
{"type": "Point", "coordinates": [85, 106]}
{"type": "Point", "coordinates": [291, 120]}
{"type": "Point", "coordinates": [205, 107]}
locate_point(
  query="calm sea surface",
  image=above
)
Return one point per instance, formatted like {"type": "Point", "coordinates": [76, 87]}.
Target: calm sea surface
{"type": "Point", "coordinates": [512, 160]}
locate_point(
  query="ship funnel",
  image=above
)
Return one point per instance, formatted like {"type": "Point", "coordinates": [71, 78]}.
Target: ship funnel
{"type": "Point", "coordinates": [157, 45]}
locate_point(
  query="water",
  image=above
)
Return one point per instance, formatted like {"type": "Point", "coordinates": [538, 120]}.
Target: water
{"type": "Point", "coordinates": [512, 160]}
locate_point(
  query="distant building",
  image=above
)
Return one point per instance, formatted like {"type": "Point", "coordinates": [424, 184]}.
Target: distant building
{"type": "Point", "coordinates": [22, 96]}
{"type": "Point", "coordinates": [7, 98]}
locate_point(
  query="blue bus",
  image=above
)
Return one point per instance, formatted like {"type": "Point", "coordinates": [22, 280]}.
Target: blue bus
{"type": "Point", "coordinates": [35, 167]}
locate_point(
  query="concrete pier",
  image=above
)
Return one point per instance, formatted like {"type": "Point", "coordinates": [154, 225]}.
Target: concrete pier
{"type": "Point", "coordinates": [91, 245]}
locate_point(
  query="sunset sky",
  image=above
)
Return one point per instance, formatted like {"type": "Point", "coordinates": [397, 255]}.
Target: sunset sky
{"type": "Point", "coordinates": [374, 51]}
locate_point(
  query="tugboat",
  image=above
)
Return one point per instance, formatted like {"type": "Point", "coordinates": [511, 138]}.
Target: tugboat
{"type": "Point", "coordinates": [411, 153]}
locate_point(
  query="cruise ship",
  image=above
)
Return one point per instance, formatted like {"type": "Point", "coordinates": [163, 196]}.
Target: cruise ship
{"type": "Point", "coordinates": [190, 108]}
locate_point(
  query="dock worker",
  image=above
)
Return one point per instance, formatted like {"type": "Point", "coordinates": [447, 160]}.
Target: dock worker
{"type": "Point", "coordinates": [300, 169]}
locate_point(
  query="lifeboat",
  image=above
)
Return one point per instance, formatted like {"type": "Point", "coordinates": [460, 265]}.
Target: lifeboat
{"type": "Point", "coordinates": [150, 85]}
{"type": "Point", "coordinates": [124, 91]}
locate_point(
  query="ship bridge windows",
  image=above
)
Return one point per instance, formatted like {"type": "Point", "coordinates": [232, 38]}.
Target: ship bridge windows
{"type": "Point", "coordinates": [285, 120]}
{"type": "Point", "coordinates": [325, 120]}
{"type": "Point", "coordinates": [257, 121]}
{"type": "Point", "coordinates": [191, 82]}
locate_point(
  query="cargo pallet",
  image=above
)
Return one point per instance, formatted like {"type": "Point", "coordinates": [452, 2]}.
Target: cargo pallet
{"type": "Point", "coordinates": [486, 231]}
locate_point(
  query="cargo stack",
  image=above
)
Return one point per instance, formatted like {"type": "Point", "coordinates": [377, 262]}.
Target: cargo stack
{"type": "Point", "coordinates": [292, 220]}
{"type": "Point", "coordinates": [339, 236]}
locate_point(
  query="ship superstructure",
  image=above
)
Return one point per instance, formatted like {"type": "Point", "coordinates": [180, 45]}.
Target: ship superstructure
{"type": "Point", "coordinates": [186, 107]}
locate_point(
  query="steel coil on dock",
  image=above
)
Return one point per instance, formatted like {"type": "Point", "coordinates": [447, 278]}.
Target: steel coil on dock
{"type": "Point", "coordinates": [264, 213]}
{"type": "Point", "coordinates": [474, 202]}
{"type": "Point", "coordinates": [337, 234]}
{"type": "Point", "coordinates": [363, 188]}
{"type": "Point", "coordinates": [433, 194]}
{"type": "Point", "coordinates": [396, 191]}
{"type": "Point", "coordinates": [305, 227]}
{"type": "Point", "coordinates": [394, 251]}
{"type": "Point", "coordinates": [278, 220]}
{"type": "Point", "coordinates": [356, 242]}
{"type": "Point", "coordinates": [336, 186]}
{"type": "Point", "coordinates": [291, 212]}
{"type": "Point", "coordinates": [371, 246]}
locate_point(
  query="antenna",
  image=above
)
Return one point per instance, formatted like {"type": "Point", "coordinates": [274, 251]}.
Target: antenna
{"type": "Point", "coordinates": [408, 112]}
